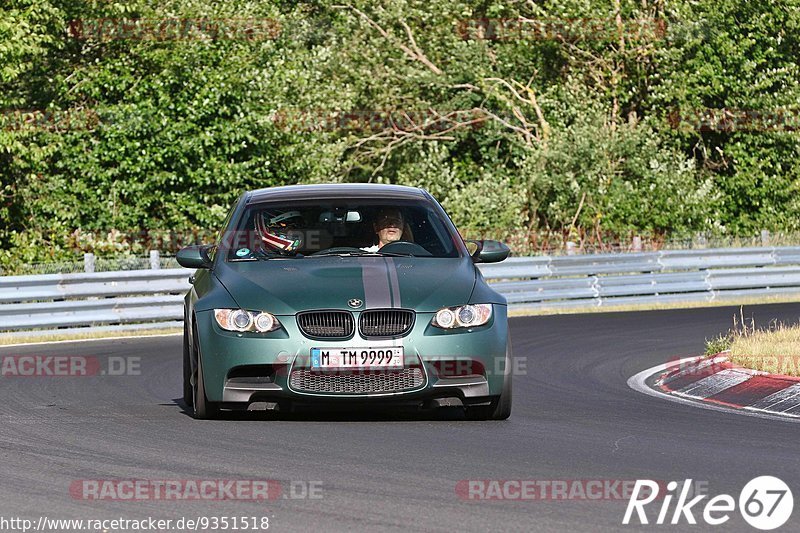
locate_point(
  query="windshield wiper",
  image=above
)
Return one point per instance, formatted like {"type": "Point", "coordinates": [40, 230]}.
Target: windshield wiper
{"type": "Point", "coordinates": [391, 254]}
{"type": "Point", "coordinates": [263, 255]}
{"type": "Point", "coordinates": [359, 253]}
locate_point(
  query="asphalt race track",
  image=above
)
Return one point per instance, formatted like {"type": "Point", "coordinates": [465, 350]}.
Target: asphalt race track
{"type": "Point", "coordinates": [574, 418]}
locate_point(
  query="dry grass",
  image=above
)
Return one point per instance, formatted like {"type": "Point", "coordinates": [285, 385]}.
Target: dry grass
{"type": "Point", "coordinates": [775, 350]}
{"type": "Point", "coordinates": [35, 339]}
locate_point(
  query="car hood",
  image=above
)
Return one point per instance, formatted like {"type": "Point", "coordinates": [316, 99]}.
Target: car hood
{"type": "Point", "coordinates": [288, 286]}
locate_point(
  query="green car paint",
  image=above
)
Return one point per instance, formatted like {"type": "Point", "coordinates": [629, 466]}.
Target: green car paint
{"type": "Point", "coordinates": [235, 368]}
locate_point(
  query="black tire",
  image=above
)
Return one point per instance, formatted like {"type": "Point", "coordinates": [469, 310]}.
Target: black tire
{"type": "Point", "coordinates": [203, 409]}
{"type": "Point", "coordinates": [188, 393]}
{"type": "Point", "coordinates": [500, 407]}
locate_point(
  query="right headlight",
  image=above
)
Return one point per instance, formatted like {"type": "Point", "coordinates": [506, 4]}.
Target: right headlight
{"type": "Point", "coordinates": [463, 316]}
{"type": "Point", "coordinates": [242, 320]}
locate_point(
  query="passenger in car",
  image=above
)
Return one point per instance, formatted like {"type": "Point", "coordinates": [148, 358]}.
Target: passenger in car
{"type": "Point", "coordinates": [389, 226]}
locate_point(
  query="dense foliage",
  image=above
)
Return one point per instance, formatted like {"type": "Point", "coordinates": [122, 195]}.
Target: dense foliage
{"type": "Point", "coordinates": [583, 120]}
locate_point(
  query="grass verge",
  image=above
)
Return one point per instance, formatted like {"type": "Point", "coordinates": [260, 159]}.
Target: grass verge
{"type": "Point", "coordinates": [36, 339]}
{"type": "Point", "coordinates": [774, 349]}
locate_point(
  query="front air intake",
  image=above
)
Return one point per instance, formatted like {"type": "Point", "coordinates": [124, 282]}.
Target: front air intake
{"type": "Point", "coordinates": [385, 322]}
{"type": "Point", "coordinates": [326, 324]}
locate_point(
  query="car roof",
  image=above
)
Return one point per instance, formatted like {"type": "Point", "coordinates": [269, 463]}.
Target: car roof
{"type": "Point", "coordinates": [335, 191]}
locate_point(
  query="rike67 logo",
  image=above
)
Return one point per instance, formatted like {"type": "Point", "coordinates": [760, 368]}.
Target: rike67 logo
{"type": "Point", "coordinates": [765, 503]}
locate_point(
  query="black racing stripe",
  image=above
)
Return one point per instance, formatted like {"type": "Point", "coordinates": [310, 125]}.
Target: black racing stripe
{"type": "Point", "coordinates": [389, 282]}
{"type": "Point", "coordinates": [394, 283]}
{"type": "Point", "coordinates": [377, 291]}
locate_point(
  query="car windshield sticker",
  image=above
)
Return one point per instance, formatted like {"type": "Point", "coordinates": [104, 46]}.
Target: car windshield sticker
{"type": "Point", "coordinates": [241, 252]}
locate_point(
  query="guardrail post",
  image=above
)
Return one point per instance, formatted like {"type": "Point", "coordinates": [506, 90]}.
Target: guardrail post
{"type": "Point", "coordinates": [88, 262]}
{"type": "Point", "coordinates": [570, 248]}
{"type": "Point", "coordinates": [637, 244]}
{"type": "Point", "coordinates": [155, 262]}
{"type": "Point", "coordinates": [764, 237]}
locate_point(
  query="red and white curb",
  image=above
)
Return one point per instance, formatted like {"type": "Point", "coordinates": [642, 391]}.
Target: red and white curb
{"type": "Point", "coordinates": [716, 383]}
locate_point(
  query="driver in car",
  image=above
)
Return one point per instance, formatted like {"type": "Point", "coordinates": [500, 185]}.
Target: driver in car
{"type": "Point", "coordinates": [389, 227]}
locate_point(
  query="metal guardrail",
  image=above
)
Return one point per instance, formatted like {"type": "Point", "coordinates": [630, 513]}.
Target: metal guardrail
{"type": "Point", "coordinates": [645, 278]}
{"type": "Point", "coordinates": [142, 298]}
{"type": "Point", "coordinates": [64, 300]}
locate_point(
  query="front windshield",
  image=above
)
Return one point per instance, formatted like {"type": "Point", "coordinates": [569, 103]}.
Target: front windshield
{"type": "Point", "coordinates": [340, 227]}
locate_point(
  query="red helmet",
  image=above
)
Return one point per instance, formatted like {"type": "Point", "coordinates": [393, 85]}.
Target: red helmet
{"type": "Point", "coordinates": [278, 230]}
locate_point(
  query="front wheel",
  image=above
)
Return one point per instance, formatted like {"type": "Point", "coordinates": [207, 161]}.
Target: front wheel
{"type": "Point", "coordinates": [203, 409]}
{"type": "Point", "coordinates": [188, 392]}
{"type": "Point", "coordinates": [500, 407]}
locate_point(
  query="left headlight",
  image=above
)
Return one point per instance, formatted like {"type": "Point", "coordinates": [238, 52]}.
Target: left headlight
{"type": "Point", "coordinates": [242, 320]}
{"type": "Point", "coordinates": [463, 316]}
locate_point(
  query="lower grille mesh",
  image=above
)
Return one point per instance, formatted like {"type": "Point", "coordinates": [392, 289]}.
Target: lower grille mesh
{"type": "Point", "coordinates": [363, 382]}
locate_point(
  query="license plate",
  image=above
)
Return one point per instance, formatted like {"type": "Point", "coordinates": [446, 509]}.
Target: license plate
{"type": "Point", "coordinates": [337, 358]}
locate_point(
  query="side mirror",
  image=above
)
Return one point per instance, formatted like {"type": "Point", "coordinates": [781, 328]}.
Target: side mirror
{"type": "Point", "coordinates": [489, 251]}
{"type": "Point", "coordinates": [194, 257]}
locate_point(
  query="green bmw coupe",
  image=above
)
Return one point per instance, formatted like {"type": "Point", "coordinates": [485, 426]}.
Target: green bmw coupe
{"type": "Point", "coordinates": [343, 293]}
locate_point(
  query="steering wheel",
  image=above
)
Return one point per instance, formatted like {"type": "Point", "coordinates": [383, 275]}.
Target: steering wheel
{"type": "Point", "coordinates": [338, 250]}
{"type": "Point", "coordinates": [405, 247]}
